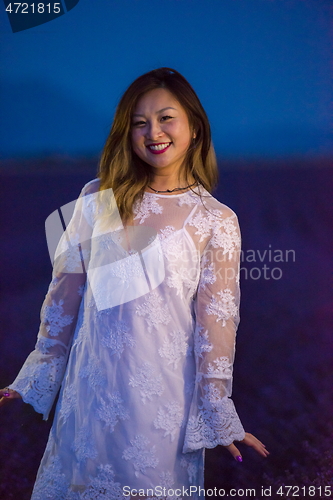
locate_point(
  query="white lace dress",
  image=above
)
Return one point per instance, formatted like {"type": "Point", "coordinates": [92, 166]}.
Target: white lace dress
{"type": "Point", "coordinates": [143, 349]}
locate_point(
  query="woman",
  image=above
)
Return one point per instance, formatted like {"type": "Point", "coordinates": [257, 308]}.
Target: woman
{"type": "Point", "coordinates": [151, 332]}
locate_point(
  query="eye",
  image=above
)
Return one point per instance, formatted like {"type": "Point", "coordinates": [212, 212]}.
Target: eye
{"type": "Point", "coordinates": [139, 123]}
{"type": "Point", "coordinates": [166, 117]}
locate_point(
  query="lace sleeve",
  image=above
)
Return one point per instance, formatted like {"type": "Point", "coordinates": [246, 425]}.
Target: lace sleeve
{"type": "Point", "coordinates": [41, 375]}
{"type": "Point", "coordinates": [213, 419]}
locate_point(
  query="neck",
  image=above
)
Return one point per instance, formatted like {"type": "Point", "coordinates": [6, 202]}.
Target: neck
{"type": "Point", "coordinates": [176, 189]}
{"type": "Point", "coordinates": [169, 183]}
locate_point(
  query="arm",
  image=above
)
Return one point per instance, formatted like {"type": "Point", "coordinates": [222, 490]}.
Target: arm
{"type": "Point", "coordinates": [213, 419]}
{"type": "Point", "coordinates": [41, 375]}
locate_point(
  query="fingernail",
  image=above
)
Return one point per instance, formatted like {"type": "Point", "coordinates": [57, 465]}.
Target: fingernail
{"type": "Point", "coordinates": [6, 394]}
{"type": "Point", "coordinates": [239, 458]}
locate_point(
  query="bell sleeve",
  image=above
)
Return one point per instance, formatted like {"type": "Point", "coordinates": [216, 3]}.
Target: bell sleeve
{"type": "Point", "coordinates": [213, 418]}
{"type": "Point", "coordinates": [41, 375]}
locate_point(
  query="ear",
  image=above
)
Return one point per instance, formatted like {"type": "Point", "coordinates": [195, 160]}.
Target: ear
{"type": "Point", "coordinates": [194, 134]}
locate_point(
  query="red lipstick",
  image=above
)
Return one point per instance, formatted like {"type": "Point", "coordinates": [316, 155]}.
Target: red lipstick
{"type": "Point", "coordinates": [158, 151]}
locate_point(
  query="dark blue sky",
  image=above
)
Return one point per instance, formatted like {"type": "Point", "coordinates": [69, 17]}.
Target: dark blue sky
{"type": "Point", "coordinates": [262, 69]}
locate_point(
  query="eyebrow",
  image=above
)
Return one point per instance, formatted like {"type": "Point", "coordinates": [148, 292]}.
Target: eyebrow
{"type": "Point", "coordinates": [160, 111]}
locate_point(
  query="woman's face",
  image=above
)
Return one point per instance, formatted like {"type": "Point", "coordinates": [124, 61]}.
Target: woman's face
{"type": "Point", "coordinates": [160, 131]}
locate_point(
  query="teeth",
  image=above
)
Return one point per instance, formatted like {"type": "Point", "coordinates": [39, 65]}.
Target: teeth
{"type": "Point", "coordinates": [158, 147]}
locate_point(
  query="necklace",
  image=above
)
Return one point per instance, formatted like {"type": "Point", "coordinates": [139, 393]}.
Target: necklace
{"type": "Point", "coordinates": [172, 190]}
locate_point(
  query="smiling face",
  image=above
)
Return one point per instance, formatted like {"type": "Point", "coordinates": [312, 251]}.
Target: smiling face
{"type": "Point", "coordinates": [160, 131]}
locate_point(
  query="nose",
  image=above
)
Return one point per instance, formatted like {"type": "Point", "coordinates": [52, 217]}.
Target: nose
{"type": "Point", "coordinates": [154, 130]}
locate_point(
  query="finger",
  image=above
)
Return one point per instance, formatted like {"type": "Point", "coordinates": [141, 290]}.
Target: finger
{"type": "Point", "coordinates": [234, 452]}
{"type": "Point", "coordinates": [3, 401]}
{"type": "Point", "coordinates": [260, 448]}
{"type": "Point", "coordinates": [257, 445]}
{"type": "Point", "coordinates": [9, 394]}
{"type": "Point", "coordinates": [5, 392]}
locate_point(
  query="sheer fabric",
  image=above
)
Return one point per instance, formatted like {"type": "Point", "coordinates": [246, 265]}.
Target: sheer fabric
{"type": "Point", "coordinates": [145, 382]}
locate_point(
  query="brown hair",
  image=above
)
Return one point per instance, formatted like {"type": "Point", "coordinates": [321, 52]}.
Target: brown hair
{"type": "Point", "coordinates": [123, 171]}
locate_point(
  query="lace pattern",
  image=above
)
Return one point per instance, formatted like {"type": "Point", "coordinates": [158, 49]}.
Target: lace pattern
{"type": "Point", "coordinates": [94, 373]}
{"type": "Point", "coordinates": [54, 319]}
{"type": "Point", "coordinates": [154, 312]}
{"type": "Point", "coordinates": [171, 244]}
{"type": "Point", "coordinates": [148, 206]}
{"type": "Point", "coordinates": [39, 380]}
{"type": "Point", "coordinates": [117, 338]}
{"type": "Point", "coordinates": [141, 455]}
{"type": "Point", "coordinates": [223, 309]}
{"type": "Point", "coordinates": [169, 419]}
{"type": "Point", "coordinates": [53, 485]}
{"type": "Point", "coordinates": [180, 278]}
{"type": "Point", "coordinates": [84, 446]}
{"type": "Point", "coordinates": [127, 269]}
{"type": "Point", "coordinates": [52, 482]}
{"type": "Point", "coordinates": [208, 276]}
{"type": "Point", "coordinates": [189, 199]}
{"type": "Point", "coordinates": [68, 402]}
{"type": "Point", "coordinates": [216, 422]}
{"type": "Point", "coordinates": [103, 486]}
{"type": "Point", "coordinates": [206, 222]}
{"type": "Point", "coordinates": [45, 345]}
{"type": "Point", "coordinates": [175, 349]}
{"type": "Point", "coordinates": [201, 342]}
{"type": "Point", "coordinates": [221, 368]}
{"type": "Point", "coordinates": [82, 334]}
{"type": "Point", "coordinates": [150, 385]}
{"type": "Point", "coordinates": [112, 411]}
{"type": "Point", "coordinates": [225, 236]}
{"type": "Point", "coordinates": [72, 255]}
{"type": "Point", "coordinates": [166, 480]}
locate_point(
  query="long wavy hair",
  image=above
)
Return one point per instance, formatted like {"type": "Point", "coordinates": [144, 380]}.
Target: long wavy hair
{"type": "Point", "coordinates": [124, 172]}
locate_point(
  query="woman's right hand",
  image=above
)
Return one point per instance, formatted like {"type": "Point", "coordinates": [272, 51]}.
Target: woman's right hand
{"type": "Point", "coordinates": [7, 394]}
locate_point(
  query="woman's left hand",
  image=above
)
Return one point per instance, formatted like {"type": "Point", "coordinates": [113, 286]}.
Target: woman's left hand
{"type": "Point", "coordinates": [249, 440]}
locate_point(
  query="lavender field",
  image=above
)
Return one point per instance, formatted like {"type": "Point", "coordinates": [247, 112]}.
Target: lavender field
{"type": "Point", "coordinates": [283, 377]}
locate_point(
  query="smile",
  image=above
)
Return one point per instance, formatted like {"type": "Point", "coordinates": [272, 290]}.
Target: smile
{"type": "Point", "coordinates": [158, 148]}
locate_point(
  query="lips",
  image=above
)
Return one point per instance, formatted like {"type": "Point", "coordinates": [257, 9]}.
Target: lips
{"type": "Point", "coordinates": [158, 148]}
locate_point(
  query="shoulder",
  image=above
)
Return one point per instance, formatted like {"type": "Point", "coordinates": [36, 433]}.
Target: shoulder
{"type": "Point", "coordinates": [215, 207]}
{"type": "Point", "coordinates": [219, 223]}
{"type": "Point", "coordinates": [91, 187]}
